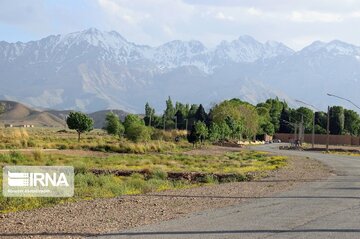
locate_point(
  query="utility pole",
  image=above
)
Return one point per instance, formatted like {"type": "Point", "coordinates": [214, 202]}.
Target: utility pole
{"type": "Point", "coordinates": [328, 130]}
{"type": "Point", "coordinates": [301, 130]}
{"type": "Point", "coordinates": [313, 128]}
{"type": "Point", "coordinates": [313, 133]}
{"type": "Point", "coordinates": [186, 124]}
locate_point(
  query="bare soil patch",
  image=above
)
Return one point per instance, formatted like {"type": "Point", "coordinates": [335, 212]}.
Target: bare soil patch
{"type": "Point", "coordinates": [76, 220]}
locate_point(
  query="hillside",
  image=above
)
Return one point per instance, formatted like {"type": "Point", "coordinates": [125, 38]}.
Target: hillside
{"type": "Point", "coordinates": [18, 114]}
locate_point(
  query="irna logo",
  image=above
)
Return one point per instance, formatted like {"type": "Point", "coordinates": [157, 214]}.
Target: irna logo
{"type": "Point", "coordinates": [37, 179]}
{"type": "Point", "coordinates": [42, 181]}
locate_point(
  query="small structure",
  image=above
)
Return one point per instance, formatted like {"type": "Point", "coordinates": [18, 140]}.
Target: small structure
{"type": "Point", "coordinates": [8, 126]}
{"type": "Point", "coordinates": [26, 126]}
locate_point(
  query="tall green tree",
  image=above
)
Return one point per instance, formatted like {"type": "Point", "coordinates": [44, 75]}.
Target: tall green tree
{"type": "Point", "coordinates": [276, 107]}
{"type": "Point", "coordinates": [305, 114]}
{"type": "Point", "coordinates": [285, 126]}
{"type": "Point", "coordinates": [170, 110]}
{"type": "Point", "coordinates": [239, 112]}
{"type": "Point", "coordinates": [265, 125]}
{"type": "Point", "coordinates": [149, 115]}
{"type": "Point", "coordinates": [181, 121]}
{"type": "Point", "coordinates": [351, 122]}
{"type": "Point", "coordinates": [214, 132]}
{"type": "Point", "coordinates": [320, 122]}
{"type": "Point", "coordinates": [113, 125]}
{"type": "Point", "coordinates": [191, 115]}
{"type": "Point", "coordinates": [201, 131]}
{"type": "Point", "coordinates": [200, 114]}
{"type": "Point", "coordinates": [79, 122]}
{"type": "Point", "coordinates": [337, 120]}
{"type": "Point", "coordinates": [225, 131]}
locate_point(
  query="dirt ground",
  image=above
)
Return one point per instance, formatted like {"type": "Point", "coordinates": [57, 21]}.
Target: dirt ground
{"type": "Point", "coordinates": [85, 218]}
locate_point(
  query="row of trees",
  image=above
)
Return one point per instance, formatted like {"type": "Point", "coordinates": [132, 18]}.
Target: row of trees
{"type": "Point", "coordinates": [229, 120]}
{"type": "Point", "coordinates": [342, 121]}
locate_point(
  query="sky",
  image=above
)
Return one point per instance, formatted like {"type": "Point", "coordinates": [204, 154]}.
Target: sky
{"type": "Point", "coordinates": [297, 23]}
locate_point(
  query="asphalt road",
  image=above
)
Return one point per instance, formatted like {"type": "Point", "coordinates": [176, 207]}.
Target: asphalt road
{"type": "Point", "coordinates": [324, 209]}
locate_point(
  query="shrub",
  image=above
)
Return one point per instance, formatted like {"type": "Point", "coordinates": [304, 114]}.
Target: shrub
{"type": "Point", "coordinates": [159, 174]}
{"type": "Point", "coordinates": [37, 154]}
{"type": "Point", "coordinates": [138, 132]}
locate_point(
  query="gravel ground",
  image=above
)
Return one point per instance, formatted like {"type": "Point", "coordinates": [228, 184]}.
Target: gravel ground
{"type": "Point", "coordinates": [76, 220]}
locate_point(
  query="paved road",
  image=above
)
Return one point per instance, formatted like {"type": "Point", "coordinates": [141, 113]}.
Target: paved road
{"type": "Point", "coordinates": [324, 209]}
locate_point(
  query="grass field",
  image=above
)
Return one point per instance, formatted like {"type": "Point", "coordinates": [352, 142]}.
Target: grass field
{"type": "Point", "coordinates": [90, 186]}
{"type": "Point", "coordinates": [97, 140]}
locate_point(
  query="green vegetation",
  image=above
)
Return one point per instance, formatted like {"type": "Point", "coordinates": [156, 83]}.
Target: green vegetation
{"type": "Point", "coordinates": [89, 186]}
{"type": "Point", "coordinates": [79, 122]}
{"type": "Point", "coordinates": [113, 125]}
{"type": "Point", "coordinates": [97, 140]}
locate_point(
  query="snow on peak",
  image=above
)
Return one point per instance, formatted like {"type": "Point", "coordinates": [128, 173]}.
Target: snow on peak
{"type": "Point", "coordinates": [334, 47]}
{"type": "Point", "coordinates": [95, 38]}
{"type": "Point", "coordinates": [111, 46]}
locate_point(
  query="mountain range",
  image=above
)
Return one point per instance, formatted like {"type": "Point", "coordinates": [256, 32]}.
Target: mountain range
{"type": "Point", "coordinates": [94, 70]}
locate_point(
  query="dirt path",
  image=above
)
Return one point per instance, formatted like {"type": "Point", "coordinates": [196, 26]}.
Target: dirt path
{"type": "Point", "coordinates": [76, 220]}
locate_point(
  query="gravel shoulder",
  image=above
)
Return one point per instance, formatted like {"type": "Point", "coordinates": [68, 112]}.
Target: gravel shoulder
{"type": "Point", "coordinates": [85, 218]}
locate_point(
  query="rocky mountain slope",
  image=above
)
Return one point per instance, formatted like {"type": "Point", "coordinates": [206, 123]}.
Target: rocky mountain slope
{"type": "Point", "coordinates": [93, 70]}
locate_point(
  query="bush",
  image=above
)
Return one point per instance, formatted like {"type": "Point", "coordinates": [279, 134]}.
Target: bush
{"type": "Point", "coordinates": [159, 174]}
{"type": "Point", "coordinates": [138, 132]}
{"type": "Point", "coordinates": [37, 155]}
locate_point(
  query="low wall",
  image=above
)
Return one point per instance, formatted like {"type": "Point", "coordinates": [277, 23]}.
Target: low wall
{"type": "Point", "coordinates": [321, 139]}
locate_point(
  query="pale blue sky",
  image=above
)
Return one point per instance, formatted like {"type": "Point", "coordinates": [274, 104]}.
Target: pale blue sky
{"type": "Point", "coordinates": [297, 23]}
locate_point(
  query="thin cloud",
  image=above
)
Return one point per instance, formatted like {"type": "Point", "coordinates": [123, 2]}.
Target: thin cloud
{"type": "Point", "coordinates": [311, 16]}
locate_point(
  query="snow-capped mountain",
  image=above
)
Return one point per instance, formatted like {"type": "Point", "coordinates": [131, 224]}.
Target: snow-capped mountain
{"type": "Point", "coordinates": [92, 70]}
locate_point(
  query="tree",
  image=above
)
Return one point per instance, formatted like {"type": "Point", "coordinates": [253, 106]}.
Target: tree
{"type": "Point", "coordinates": [250, 120]}
{"type": "Point", "coordinates": [275, 108]}
{"type": "Point", "coordinates": [200, 114]}
{"type": "Point", "coordinates": [239, 112]}
{"type": "Point", "coordinates": [192, 137]}
{"type": "Point", "coordinates": [337, 120]}
{"type": "Point", "coordinates": [201, 131]}
{"type": "Point", "coordinates": [305, 114]}
{"type": "Point", "coordinates": [266, 128]}
{"type": "Point", "coordinates": [169, 114]}
{"type": "Point", "coordinates": [79, 122]}
{"type": "Point", "coordinates": [170, 110]}
{"type": "Point", "coordinates": [225, 131]}
{"type": "Point", "coordinates": [181, 122]}
{"type": "Point", "coordinates": [149, 115]}
{"type": "Point", "coordinates": [236, 127]}
{"type": "Point", "coordinates": [265, 125]}
{"type": "Point", "coordinates": [284, 124]}
{"type": "Point", "coordinates": [320, 122]}
{"type": "Point", "coordinates": [132, 119]}
{"type": "Point", "coordinates": [113, 125]}
{"type": "Point", "coordinates": [214, 132]}
{"type": "Point", "coordinates": [352, 122]}
{"type": "Point", "coordinates": [191, 115]}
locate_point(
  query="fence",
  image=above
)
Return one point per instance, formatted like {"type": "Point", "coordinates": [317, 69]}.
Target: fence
{"type": "Point", "coordinates": [321, 139]}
